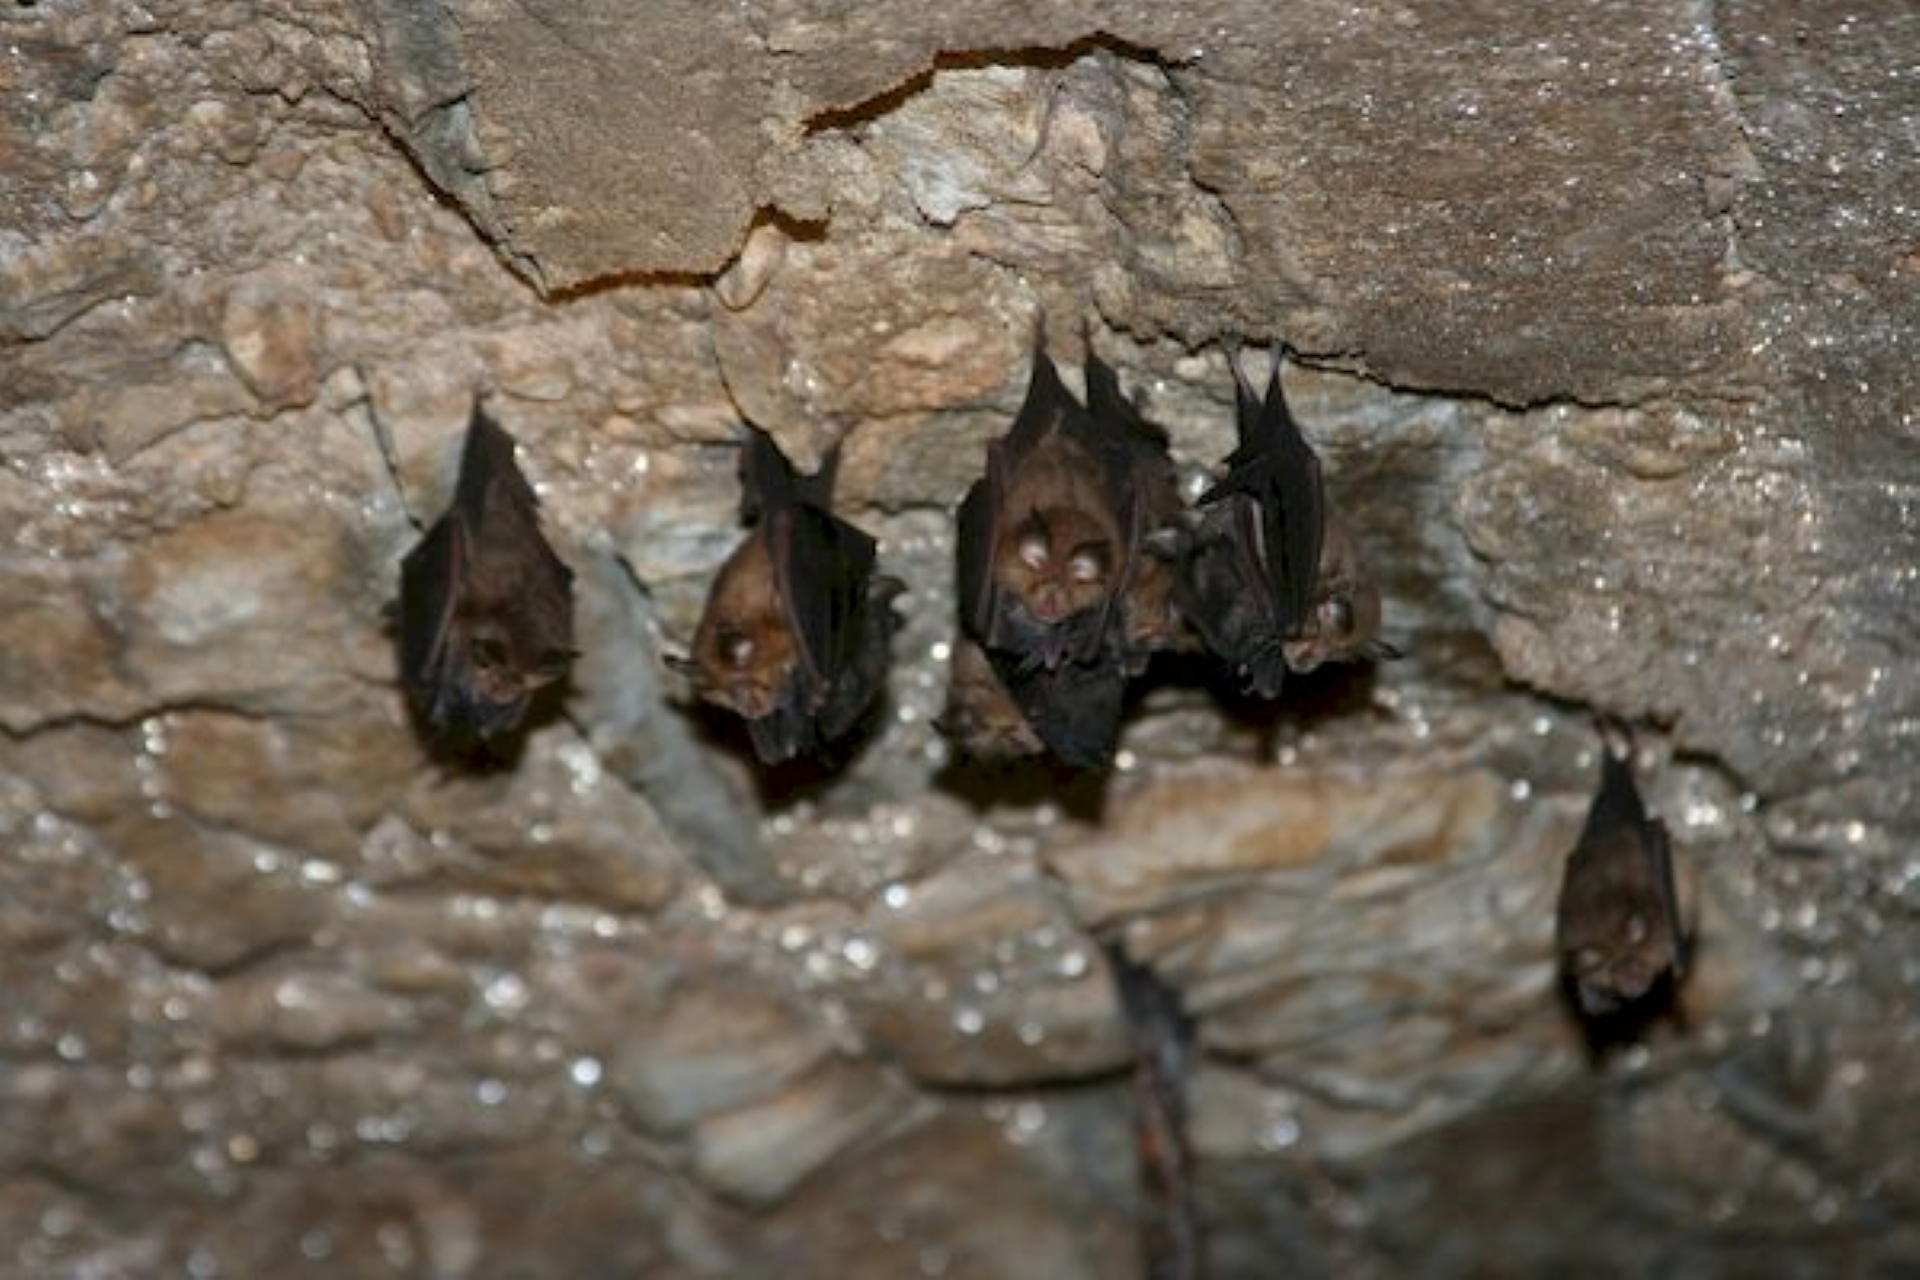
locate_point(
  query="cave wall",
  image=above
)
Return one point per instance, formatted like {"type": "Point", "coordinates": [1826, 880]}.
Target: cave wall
{"type": "Point", "coordinates": [1604, 320]}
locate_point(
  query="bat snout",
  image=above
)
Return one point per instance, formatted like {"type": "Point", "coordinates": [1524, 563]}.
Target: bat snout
{"type": "Point", "coordinates": [1050, 605]}
{"type": "Point", "coordinates": [752, 699]}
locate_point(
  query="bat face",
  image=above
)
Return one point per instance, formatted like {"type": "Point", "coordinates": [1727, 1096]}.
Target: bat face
{"type": "Point", "coordinates": [1618, 919]}
{"type": "Point", "coordinates": [744, 651]}
{"type": "Point", "coordinates": [486, 608]}
{"type": "Point", "coordinates": [1056, 563]}
{"type": "Point", "coordinates": [796, 632]}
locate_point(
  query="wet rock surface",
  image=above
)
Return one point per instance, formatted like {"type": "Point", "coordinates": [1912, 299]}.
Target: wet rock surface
{"type": "Point", "coordinates": [1604, 335]}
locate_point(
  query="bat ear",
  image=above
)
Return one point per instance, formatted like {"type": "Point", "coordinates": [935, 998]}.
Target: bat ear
{"type": "Point", "coordinates": [1617, 734]}
{"type": "Point", "coordinates": [885, 589]}
{"type": "Point", "coordinates": [685, 666]}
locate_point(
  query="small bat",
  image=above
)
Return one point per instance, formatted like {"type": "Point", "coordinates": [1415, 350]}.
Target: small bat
{"type": "Point", "coordinates": [1162, 1036]}
{"type": "Point", "coordinates": [1270, 578]}
{"type": "Point", "coordinates": [1618, 920]}
{"type": "Point", "coordinates": [797, 631]}
{"type": "Point", "coordinates": [1055, 580]}
{"type": "Point", "coordinates": [1042, 536]}
{"type": "Point", "coordinates": [486, 607]}
{"type": "Point", "coordinates": [1149, 617]}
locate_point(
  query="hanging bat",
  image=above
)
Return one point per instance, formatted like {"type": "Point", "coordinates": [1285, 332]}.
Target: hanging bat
{"type": "Point", "coordinates": [796, 635]}
{"type": "Point", "coordinates": [1149, 619]}
{"type": "Point", "coordinates": [1051, 543]}
{"type": "Point", "coordinates": [1618, 920]}
{"type": "Point", "coordinates": [1048, 537]}
{"type": "Point", "coordinates": [1270, 578]}
{"type": "Point", "coordinates": [486, 608]}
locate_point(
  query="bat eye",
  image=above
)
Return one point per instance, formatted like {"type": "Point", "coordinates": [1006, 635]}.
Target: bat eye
{"type": "Point", "coordinates": [1587, 959]}
{"type": "Point", "coordinates": [1637, 929]}
{"type": "Point", "coordinates": [736, 648]}
{"type": "Point", "coordinates": [1089, 563]}
{"type": "Point", "coordinates": [1033, 552]}
{"type": "Point", "coordinates": [487, 653]}
{"type": "Point", "coordinates": [1336, 616]}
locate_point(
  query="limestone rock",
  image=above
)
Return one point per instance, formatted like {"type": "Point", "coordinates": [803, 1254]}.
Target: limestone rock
{"type": "Point", "coordinates": [1602, 330]}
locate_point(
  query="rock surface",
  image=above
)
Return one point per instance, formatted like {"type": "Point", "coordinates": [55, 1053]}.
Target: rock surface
{"type": "Point", "coordinates": [1604, 331]}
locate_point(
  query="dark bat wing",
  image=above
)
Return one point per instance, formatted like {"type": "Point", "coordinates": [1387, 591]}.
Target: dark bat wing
{"type": "Point", "coordinates": [514, 573]}
{"type": "Point", "coordinates": [768, 482]}
{"type": "Point", "coordinates": [1047, 404]}
{"type": "Point", "coordinates": [840, 619]}
{"type": "Point", "coordinates": [430, 581]}
{"type": "Point", "coordinates": [1660, 858]}
{"type": "Point", "coordinates": [1300, 490]}
{"type": "Point", "coordinates": [488, 471]}
{"type": "Point", "coordinates": [823, 570]}
{"type": "Point", "coordinates": [1239, 615]}
{"type": "Point", "coordinates": [976, 533]}
{"type": "Point", "coordinates": [1074, 708]}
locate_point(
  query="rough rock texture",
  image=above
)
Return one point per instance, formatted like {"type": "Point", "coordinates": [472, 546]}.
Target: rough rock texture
{"type": "Point", "coordinates": [1605, 318]}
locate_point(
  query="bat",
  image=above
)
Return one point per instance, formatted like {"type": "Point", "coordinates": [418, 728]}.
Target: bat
{"type": "Point", "coordinates": [1150, 621]}
{"type": "Point", "coordinates": [1056, 584]}
{"type": "Point", "coordinates": [1269, 578]}
{"type": "Point", "coordinates": [486, 607]}
{"type": "Point", "coordinates": [1042, 535]}
{"type": "Point", "coordinates": [797, 631]}
{"type": "Point", "coordinates": [1618, 920]}
{"type": "Point", "coordinates": [1162, 1036]}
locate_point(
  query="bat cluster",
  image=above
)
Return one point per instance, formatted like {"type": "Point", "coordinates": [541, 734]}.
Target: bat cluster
{"type": "Point", "coordinates": [1076, 561]}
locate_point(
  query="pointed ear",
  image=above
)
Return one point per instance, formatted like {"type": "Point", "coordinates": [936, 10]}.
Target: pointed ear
{"type": "Point", "coordinates": [885, 589]}
{"type": "Point", "coordinates": [687, 667]}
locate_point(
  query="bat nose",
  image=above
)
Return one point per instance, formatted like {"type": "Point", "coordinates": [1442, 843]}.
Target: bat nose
{"type": "Point", "coordinates": [1050, 604]}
